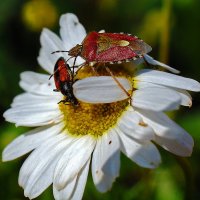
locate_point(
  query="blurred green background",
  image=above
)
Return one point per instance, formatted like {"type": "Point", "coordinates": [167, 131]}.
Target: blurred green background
{"type": "Point", "coordinates": [171, 27]}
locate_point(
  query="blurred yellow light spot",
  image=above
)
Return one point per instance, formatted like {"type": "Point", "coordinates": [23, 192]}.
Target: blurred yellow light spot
{"type": "Point", "coordinates": [37, 14]}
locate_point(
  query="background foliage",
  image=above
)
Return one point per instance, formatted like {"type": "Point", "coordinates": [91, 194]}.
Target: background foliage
{"type": "Point", "coordinates": [171, 27]}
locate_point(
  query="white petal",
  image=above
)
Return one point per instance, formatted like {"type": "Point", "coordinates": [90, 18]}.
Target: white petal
{"type": "Point", "coordinates": [106, 161]}
{"type": "Point", "coordinates": [81, 182]}
{"type": "Point", "coordinates": [37, 155]}
{"type": "Point", "coordinates": [167, 79]}
{"type": "Point", "coordinates": [32, 115]}
{"type": "Point", "coordinates": [66, 192]}
{"type": "Point", "coordinates": [37, 171]}
{"type": "Point", "coordinates": [27, 100]}
{"type": "Point", "coordinates": [133, 126]}
{"type": "Point", "coordinates": [75, 189]}
{"type": "Point", "coordinates": [157, 99]}
{"type": "Point", "coordinates": [186, 99]}
{"type": "Point", "coordinates": [50, 42]}
{"type": "Point", "coordinates": [144, 154]}
{"type": "Point", "coordinates": [100, 89]}
{"type": "Point", "coordinates": [37, 83]}
{"type": "Point", "coordinates": [73, 160]}
{"type": "Point", "coordinates": [29, 141]}
{"type": "Point", "coordinates": [152, 61]}
{"type": "Point", "coordinates": [72, 33]}
{"type": "Point", "coordinates": [168, 134]}
{"type": "Point", "coordinates": [34, 77]}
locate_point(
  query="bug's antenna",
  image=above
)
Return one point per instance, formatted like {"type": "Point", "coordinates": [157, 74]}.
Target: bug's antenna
{"type": "Point", "coordinates": [58, 52]}
{"type": "Point", "coordinates": [69, 59]}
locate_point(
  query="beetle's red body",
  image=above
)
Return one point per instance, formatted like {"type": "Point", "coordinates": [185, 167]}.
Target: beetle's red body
{"type": "Point", "coordinates": [63, 79]}
{"type": "Point", "coordinates": [110, 47]}
{"type": "Point", "coordinates": [62, 73]}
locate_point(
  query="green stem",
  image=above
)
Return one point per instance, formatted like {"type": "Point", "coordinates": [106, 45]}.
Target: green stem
{"type": "Point", "coordinates": [165, 31]}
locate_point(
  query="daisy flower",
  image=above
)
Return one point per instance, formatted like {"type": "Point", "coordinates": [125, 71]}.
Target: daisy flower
{"type": "Point", "coordinates": [68, 139]}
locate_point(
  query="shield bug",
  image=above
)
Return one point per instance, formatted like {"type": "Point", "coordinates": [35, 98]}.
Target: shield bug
{"type": "Point", "coordinates": [109, 48]}
{"type": "Point", "coordinates": [63, 78]}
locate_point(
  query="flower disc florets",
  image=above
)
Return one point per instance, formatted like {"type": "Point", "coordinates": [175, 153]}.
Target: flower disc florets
{"type": "Point", "coordinates": [93, 119]}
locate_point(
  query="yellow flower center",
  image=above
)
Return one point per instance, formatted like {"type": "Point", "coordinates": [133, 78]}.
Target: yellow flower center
{"type": "Point", "coordinates": [93, 119]}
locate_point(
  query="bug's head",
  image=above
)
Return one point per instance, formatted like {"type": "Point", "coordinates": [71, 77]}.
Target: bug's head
{"type": "Point", "coordinates": [75, 51]}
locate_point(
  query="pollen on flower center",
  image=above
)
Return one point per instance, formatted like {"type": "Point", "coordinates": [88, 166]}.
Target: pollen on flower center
{"type": "Point", "coordinates": [92, 119]}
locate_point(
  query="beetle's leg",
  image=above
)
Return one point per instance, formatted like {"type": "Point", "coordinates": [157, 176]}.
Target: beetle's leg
{"type": "Point", "coordinates": [56, 90]}
{"type": "Point", "coordinates": [51, 76]}
{"type": "Point", "coordinates": [63, 101]}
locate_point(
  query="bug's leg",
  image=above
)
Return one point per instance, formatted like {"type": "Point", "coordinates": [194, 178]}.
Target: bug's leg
{"type": "Point", "coordinates": [80, 67]}
{"type": "Point", "coordinates": [118, 83]}
{"type": "Point", "coordinates": [98, 66]}
{"type": "Point", "coordinates": [94, 69]}
{"type": "Point", "coordinates": [56, 90]}
{"type": "Point", "coordinates": [63, 101]}
{"type": "Point", "coordinates": [130, 98]}
{"type": "Point", "coordinates": [76, 80]}
{"type": "Point", "coordinates": [73, 68]}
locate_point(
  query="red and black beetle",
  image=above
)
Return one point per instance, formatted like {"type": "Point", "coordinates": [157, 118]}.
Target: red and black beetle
{"type": "Point", "coordinates": [63, 78]}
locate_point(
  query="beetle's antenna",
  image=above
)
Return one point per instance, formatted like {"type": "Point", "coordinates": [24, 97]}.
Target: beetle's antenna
{"type": "Point", "coordinates": [51, 75]}
{"type": "Point", "coordinates": [55, 72]}
{"type": "Point", "coordinates": [58, 51]}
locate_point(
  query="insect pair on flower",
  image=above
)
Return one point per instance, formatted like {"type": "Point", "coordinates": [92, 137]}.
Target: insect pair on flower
{"type": "Point", "coordinates": [98, 48]}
